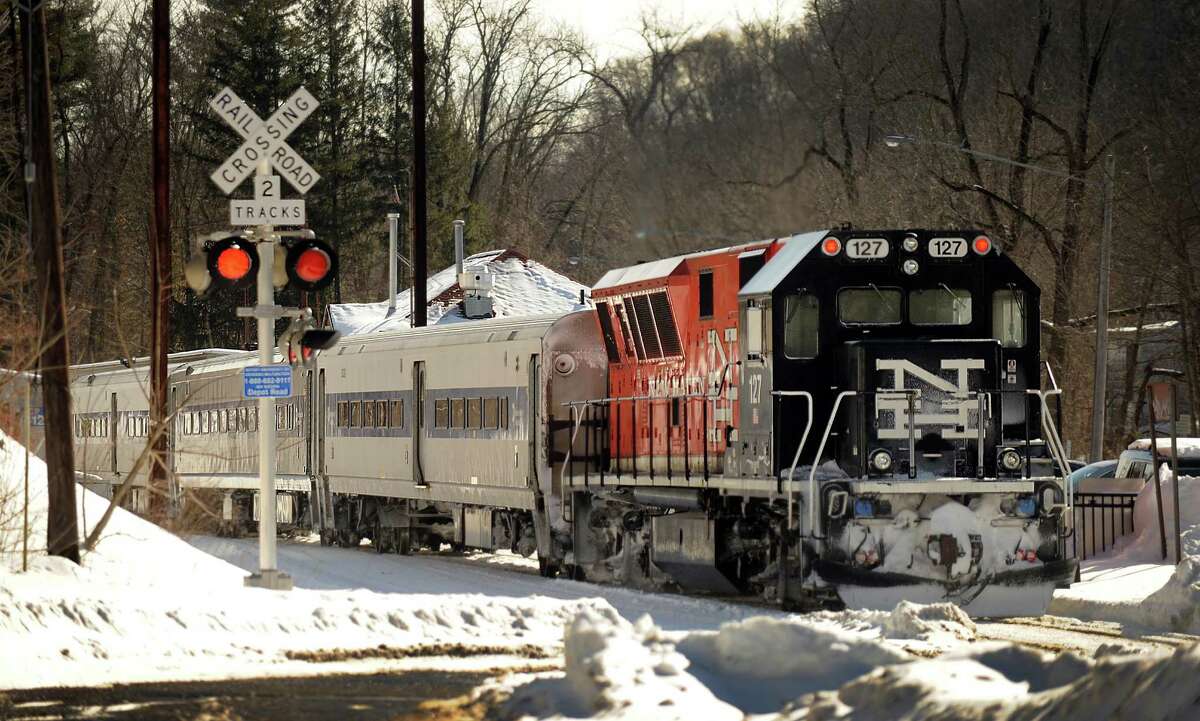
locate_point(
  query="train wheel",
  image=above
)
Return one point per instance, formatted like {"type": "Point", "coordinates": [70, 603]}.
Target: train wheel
{"type": "Point", "coordinates": [404, 541]}
{"type": "Point", "coordinates": [548, 569]}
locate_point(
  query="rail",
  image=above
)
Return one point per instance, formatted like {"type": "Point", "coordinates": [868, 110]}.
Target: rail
{"type": "Point", "coordinates": [581, 412]}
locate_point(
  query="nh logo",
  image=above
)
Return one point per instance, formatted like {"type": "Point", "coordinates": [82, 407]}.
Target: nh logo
{"type": "Point", "coordinates": [943, 403]}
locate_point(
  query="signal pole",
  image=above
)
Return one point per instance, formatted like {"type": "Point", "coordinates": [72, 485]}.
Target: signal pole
{"type": "Point", "coordinates": [41, 177]}
{"type": "Point", "coordinates": [418, 215]}
{"type": "Point", "coordinates": [269, 575]}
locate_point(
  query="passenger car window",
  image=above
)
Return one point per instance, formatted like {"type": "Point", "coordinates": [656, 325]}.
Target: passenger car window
{"type": "Point", "coordinates": [1008, 318]}
{"type": "Point", "coordinates": [869, 306]}
{"type": "Point", "coordinates": [939, 306]}
{"type": "Point", "coordinates": [800, 326]}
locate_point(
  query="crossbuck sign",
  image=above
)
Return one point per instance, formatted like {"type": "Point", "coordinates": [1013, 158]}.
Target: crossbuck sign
{"type": "Point", "coordinates": [265, 140]}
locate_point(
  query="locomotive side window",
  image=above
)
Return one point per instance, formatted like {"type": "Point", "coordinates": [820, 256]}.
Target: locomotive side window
{"type": "Point", "coordinates": [381, 416]}
{"type": "Point", "coordinates": [504, 412]}
{"type": "Point", "coordinates": [474, 413]}
{"type": "Point", "coordinates": [354, 414]}
{"type": "Point", "coordinates": [368, 414]}
{"type": "Point", "coordinates": [441, 413]}
{"type": "Point", "coordinates": [939, 306]}
{"type": "Point", "coordinates": [869, 306]}
{"type": "Point", "coordinates": [800, 326]}
{"type": "Point", "coordinates": [1008, 318]}
{"type": "Point", "coordinates": [458, 412]}
{"type": "Point", "coordinates": [396, 419]}
{"type": "Point", "coordinates": [706, 294]}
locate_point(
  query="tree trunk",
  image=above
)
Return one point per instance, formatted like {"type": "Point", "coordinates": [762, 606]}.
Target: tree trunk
{"type": "Point", "coordinates": [62, 534]}
{"type": "Point", "coordinates": [160, 256]}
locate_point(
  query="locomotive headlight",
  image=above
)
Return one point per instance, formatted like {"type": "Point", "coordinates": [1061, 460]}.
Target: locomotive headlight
{"type": "Point", "coordinates": [1010, 460]}
{"type": "Point", "coordinates": [910, 243]}
{"type": "Point", "coordinates": [910, 267]}
{"type": "Point", "coordinates": [881, 460]}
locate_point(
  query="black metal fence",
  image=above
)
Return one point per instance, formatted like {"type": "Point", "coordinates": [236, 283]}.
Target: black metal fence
{"type": "Point", "coordinates": [1100, 519]}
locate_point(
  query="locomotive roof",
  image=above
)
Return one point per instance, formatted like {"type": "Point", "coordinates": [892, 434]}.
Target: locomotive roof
{"type": "Point", "coordinates": [795, 249]}
{"type": "Point", "coordinates": [656, 269]}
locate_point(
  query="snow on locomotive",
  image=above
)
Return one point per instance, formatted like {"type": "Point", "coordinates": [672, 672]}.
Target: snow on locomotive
{"type": "Point", "coordinates": [847, 414]}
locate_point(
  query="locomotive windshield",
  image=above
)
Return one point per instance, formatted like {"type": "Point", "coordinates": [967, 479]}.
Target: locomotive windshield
{"type": "Point", "coordinates": [869, 306]}
{"type": "Point", "coordinates": [940, 306]}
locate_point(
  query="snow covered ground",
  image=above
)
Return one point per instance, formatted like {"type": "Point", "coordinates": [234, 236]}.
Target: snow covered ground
{"type": "Point", "coordinates": [148, 606]}
{"type": "Point", "coordinates": [1131, 584]}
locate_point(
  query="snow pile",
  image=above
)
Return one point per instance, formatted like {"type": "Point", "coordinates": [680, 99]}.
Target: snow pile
{"type": "Point", "coordinates": [796, 670]}
{"type": "Point", "coordinates": [522, 288]}
{"type": "Point", "coordinates": [129, 550]}
{"type": "Point", "coordinates": [1130, 584]}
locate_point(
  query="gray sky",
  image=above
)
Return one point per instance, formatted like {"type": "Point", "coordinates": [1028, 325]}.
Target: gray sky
{"type": "Point", "coordinates": [611, 25]}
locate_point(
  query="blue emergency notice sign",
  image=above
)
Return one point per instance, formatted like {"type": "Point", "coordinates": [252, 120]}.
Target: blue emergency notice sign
{"type": "Point", "coordinates": [267, 381]}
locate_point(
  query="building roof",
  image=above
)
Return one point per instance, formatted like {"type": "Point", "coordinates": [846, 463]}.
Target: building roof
{"type": "Point", "coordinates": [523, 287]}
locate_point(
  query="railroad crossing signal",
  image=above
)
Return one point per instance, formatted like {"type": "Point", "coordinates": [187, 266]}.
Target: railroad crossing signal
{"type": "Point", "coordinates": [302, 342]}
{"type": "Point", "coordinates": [232, 262]}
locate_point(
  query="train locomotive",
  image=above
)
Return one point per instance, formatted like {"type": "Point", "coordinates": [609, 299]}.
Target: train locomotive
{"type": "Point", "coordinates": [835, 417]}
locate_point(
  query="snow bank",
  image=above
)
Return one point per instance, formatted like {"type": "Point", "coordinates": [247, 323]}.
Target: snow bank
{"type": "Point", "coordinates": [796, 670]}
{"type": "Point", "coordinates": [130, 549]}
{"type": "Point", "coordinates": [615, 669]}
{"type": "Point", "coordinates": [1130, 584]}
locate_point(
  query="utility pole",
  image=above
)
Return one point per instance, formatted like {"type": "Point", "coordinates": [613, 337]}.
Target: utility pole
{"type": "Point", "coordinates": [418, 213]}
{"type": "Point", "coordinates": [1100, 389]}
{"type": "Point", "coordinates": [41, 177]}
{"type": "Point", "coordinates": [160, 253]}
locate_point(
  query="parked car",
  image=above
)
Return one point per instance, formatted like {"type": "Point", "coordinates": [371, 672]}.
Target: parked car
{"type": "Point", "coordinates": [1099, 469]}
{"type": "Point", "coordinates": [1136, 461]}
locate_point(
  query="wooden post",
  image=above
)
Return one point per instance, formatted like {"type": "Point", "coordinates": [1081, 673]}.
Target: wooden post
{"type": "Point", "coordinates": [420, 228]}
{"type": "Point", "coordinates": [62, 533]}
{"type": "Point", "coordinates": [1162, 526]}
{"type": "Point", "coordinates": [1175, 468]}
{"type": "Point", "coordinates": [160, 254]}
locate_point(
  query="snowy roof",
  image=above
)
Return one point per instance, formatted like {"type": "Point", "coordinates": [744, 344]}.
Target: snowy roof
{"type": "Point", "coordinates": [1187, 447]}
{"type": "Point", "coordinates": [795, 249]}
{"type": "Point", "coordinates": [523, 287]}
{"type": "Point", "coordinates": [656, 269]}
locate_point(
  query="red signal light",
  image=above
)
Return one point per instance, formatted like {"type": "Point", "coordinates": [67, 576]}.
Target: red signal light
{"type": "Point", "coordinates": [233, 263]}
{"type": "Point", "coordinates": [982, 245]}
{"type": "Point", "coordinates": [311, 265]}
{"type": "Point", "coordinates": [831, 246]}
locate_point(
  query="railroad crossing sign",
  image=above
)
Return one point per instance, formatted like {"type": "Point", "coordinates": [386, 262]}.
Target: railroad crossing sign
{"type": "Point", "coordinates": [265, 140]}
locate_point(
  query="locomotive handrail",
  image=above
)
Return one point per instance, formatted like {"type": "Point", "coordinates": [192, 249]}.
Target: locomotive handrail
{"type": "Point", "coordinates": [812, 473]}
{"type": "Point", "coordinates": [1056, 448]}
{"type": "Point", "coordinates": [796, 458]}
